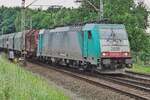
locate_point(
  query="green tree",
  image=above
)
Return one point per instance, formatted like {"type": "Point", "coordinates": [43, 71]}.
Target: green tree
{"type": "Point", "coordinates": [133, 16]}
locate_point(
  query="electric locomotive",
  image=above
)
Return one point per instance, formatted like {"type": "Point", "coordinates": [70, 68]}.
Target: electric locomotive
{"type": "Point", "coordinates": [103, 47]}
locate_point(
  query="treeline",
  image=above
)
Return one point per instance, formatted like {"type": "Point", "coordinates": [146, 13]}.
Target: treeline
{"type": "Point", "coordinates": [133, 16]}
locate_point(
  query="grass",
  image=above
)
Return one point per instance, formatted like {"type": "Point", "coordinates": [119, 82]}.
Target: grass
{"type": "Point", "coordinates": [141, 68]}
{"type": "Point", "coordinates": [19, 84]}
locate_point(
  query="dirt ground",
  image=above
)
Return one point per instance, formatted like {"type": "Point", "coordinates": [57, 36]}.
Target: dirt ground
{"type": "Point", "coordinates": [75, 88]}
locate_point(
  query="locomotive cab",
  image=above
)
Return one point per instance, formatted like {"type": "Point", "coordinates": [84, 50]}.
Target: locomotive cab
{"type": "Point", "coordinates": [114, 44]}
{"type": "Point", "coordinates": [106, 46]}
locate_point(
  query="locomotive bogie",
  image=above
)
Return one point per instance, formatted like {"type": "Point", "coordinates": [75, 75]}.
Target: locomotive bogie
{"type": "Point", "coordinates": [116, 63]}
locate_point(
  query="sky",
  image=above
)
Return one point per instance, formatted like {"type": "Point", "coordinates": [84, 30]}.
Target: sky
{"type": "Point", "coordinates": [66, 3]}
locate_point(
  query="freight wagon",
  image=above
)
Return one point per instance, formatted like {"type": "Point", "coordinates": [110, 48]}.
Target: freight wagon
{"type": "Point", "coordinates": [14, 42]}
{"type": "Point", "coordinates": [31, 43]}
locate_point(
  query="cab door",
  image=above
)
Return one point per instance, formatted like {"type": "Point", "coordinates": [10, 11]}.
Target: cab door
{"type": "Point", "coordinates": [91, 46]}
{"type": "Point", "coordinates": [88, 43]}
{"type": "Point", "coordinates": [85, 44]}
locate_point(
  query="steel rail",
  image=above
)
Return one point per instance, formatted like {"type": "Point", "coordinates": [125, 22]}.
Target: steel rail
{"type": "Point", "coordinates": [138, 74]}
{"type": "Point", "coordinates": [127, 83]}
{"type": "Point", "coordinates": [133, 81]}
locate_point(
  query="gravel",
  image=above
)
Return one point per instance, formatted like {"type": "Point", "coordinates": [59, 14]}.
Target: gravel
{"type": "Point", "coordinates": [74, 88]}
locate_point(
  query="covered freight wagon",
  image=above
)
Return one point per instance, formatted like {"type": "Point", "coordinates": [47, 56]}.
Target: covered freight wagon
{"type": "Point", "coordinates": [18, 41]}
{"type": "Point", "coordinates": [5, 38]}
{"type": "Point", "coordinates": [14, 41]}
{"type": "Point", "coordinates": [31, 42]}
{"type": "Point", "coordinates": [11, 41]}
{"type": "Point", "coordinates": [2, 41]}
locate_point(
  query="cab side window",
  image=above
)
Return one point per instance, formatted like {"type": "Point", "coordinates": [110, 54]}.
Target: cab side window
{"type": "Point", "coordinates": [89, 34]}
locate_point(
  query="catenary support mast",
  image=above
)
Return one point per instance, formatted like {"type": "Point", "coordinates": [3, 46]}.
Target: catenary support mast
{"type": "Point", "coordinates": [23, 53]}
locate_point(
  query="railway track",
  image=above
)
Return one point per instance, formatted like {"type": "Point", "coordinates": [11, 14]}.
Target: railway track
{"type": "Point", "coordinates": [135, 82]}
{"type": "Point", "coordinates": [136, 78]}
{"type": "Point", "coordinates": [130, 83]}
{"type": "Point", "coordinates": [142, 75]}
{"type": "Point", "coordinates": [131, 80]}
{"type": "Point", "coordinates": [132, 90]}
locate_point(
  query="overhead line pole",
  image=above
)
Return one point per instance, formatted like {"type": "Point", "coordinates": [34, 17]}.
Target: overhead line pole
{"type": "Point", "coordinates": [23, 52]}
{"type": "Point", "coordinates": [101, 9]}
{"type": "Point", "coordinates": [23, 55]}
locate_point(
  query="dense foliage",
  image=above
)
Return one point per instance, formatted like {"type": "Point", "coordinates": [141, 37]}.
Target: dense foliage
{"type": "Point", "coordinates": [133, 16]}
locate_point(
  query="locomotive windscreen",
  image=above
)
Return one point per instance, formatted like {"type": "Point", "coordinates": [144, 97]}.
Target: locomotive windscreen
{"type": "Point", "coordinates": [113, 33]}
{"type": "Point", "coordinates": [113, 38]}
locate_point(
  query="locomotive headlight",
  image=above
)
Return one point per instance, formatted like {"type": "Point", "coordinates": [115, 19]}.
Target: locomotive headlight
{"type": "Point", "coordinates": [104, 54]}
{"type": "Point", "coordinates": [126, 54]}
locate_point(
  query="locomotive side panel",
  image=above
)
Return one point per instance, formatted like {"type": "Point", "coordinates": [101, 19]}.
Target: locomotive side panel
{"type": "Point", "coordinates": [75, 45]}
{"type": "Point", "coordinates": [62, 43]}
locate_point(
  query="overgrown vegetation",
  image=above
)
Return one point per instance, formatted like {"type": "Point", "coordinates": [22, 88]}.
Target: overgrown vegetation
{"type": "Point", "coordinates": [18, 84]}
{"type": "Point", "coordinates": [141, 68]}
{"type": "Point", "coordinates": [133, 16]}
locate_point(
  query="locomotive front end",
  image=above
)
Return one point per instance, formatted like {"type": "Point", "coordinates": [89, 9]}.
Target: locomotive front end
{"type": "Point", "coordinates": [115, 49]}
